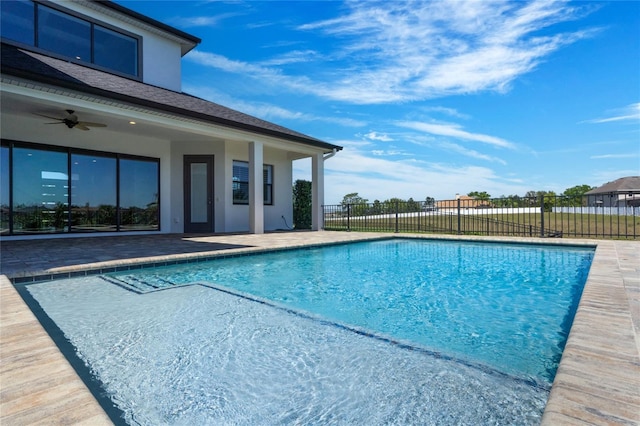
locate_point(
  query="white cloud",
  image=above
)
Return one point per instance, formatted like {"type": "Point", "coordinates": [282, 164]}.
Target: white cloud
{"type": "Point", "coordinates": [454, 131]}
{"type": "Point", "coordinates": [447, 111]}
{"type": "Point", "coordinates": [628, 113]}
{"type": "Point", "coordinates": [375, 136]}
{"type": "Point", "coordinates": [600, 177]}
{"type": "Point", "coordinates": [418, 50]}
{"type": "Point", "coordinates": [385, 52]}
{"type": "Point", "coordinates": [603, 156]}
{"type": "Point", "coordinates": [224, 64]}
{"type": "Point", "coordinates": [354, 170]}
{"type": "Point", "coordinates": [264, 110]}
{"type": "Point", "coordinates": [293, 57]}
{"type": "Point", "coordinates": [389, 153]}
{"type": "Point", "coordinates": [471, 153]}
{"type": "Point", "coordinates": [201, 21]}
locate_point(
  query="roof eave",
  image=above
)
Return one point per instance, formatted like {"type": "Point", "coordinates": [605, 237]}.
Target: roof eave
{"type": "Point", "coordinates": [168, 108]}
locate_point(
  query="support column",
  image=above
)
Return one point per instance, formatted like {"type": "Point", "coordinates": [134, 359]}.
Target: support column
{"type": "Point", "coordinates": [256, 188]}
{"type": "Point", "coordinates": [317, 191]}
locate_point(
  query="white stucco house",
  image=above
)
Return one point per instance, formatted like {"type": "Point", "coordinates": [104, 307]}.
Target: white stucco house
{"type": "Point", "coordinates": [98, 138]}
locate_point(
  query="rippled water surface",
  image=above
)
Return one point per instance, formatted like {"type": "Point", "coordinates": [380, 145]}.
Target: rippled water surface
{"type": "Point", "coordinates": [482, 328]}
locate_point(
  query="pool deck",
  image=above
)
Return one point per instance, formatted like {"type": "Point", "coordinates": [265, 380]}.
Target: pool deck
{"type": "Point", "coordinates": [598, 381]}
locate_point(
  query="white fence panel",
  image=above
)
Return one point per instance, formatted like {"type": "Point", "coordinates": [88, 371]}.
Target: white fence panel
{"type": "Point", "coordinates": [612, 211]}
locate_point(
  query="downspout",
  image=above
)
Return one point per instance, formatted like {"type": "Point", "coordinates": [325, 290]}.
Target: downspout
{"type": "Point", "coordinates": [325, 157]}
{"type": "Point", "coordinates": [331, 154]}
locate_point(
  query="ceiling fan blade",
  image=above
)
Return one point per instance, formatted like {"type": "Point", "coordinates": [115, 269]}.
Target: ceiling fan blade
{"type": "Point", "coordinates": [48, 116]}
{"type": "Point", "coordinates": [57, 122]}
{"type": "Point", "coordinates": [90, 124]}
{"type": "Point", "coordinates": [81, 126]}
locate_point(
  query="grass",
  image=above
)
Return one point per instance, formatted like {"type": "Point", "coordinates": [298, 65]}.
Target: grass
{"type": "Point", "coordinates": [551, 224]}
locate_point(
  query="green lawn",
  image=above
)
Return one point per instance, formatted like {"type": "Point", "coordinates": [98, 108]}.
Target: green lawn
{"type": "Point", "coordinates": [527, 224]}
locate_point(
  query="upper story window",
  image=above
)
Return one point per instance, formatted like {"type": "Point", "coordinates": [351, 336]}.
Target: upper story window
{"type": "Point", "coordinates": [70, 36]}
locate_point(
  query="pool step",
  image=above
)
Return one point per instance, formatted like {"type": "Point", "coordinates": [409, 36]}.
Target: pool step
{"type": "Point", "coordinates": [141, 284]}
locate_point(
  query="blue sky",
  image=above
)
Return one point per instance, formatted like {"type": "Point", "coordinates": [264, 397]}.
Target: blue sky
{"type": "Point", "coordinates": [429, 99]}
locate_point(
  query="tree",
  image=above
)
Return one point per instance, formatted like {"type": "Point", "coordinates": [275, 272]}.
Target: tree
{"type": "Point", "coordinates": [575, 195]}
{"type": "Point", "coordinates": [389, 206]}
{"type": "Point", "coordinates": [549, 198]}
{"type": "Point", "coordinates": [511, 201]}
{"type": "Point", "coordinates": [479, 195]}
{"type": "Point", "coordinates": [530, 198]}
{"type": "Point", "coordinates": [376, 208]}
{"type": "Point", "coordinates": [302, 204]}
{"type": "Point", "coordinates": [353, 198]}
{"type": "Point", "coordinates": [412, 206]}
{"type": "Point", "coordinates": [354, 204]}
{"type": "Point", "coordinates": [577, 191]}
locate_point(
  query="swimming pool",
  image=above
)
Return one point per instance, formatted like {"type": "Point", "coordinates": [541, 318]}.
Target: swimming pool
{"type": "Point", "coordinates": [197, 354]}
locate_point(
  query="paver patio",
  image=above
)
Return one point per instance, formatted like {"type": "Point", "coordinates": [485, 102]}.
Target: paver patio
{"type": "Point", "coordinates": [598, 381]}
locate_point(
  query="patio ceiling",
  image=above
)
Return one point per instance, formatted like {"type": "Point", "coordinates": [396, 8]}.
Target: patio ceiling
{"type": "Point", "coordinates": [21, 104]}
{"type": "Point", "coordinates": [20, 110]}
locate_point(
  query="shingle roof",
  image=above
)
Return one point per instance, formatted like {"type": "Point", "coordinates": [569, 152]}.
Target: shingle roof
{"type": "Point", "coordinates": [44, 69]}
{"type": "Point", "coordinates": [625, 184]}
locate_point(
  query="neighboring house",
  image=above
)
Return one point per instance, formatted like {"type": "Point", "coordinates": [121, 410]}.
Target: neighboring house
{"type": "Point", "coordinates": [623, 192]}
{"type": "Point", "coordinates": [465, 202]}
{"type": "Point", "coordinates": [154, 159]}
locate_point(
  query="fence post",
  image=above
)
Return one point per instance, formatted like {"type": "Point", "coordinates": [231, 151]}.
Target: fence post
{"type": "Point", "coordinates": [541, 216]}
{"type": "Point", "coordinates": [348, 217]}
{"type": "Point", "coordinates": [397, 206]}
{"type": "Point", "coordinates": [458, 216]}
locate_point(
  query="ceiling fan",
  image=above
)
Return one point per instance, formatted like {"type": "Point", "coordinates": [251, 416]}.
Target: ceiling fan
{"type": "Point", "coordinates": [71, 121]}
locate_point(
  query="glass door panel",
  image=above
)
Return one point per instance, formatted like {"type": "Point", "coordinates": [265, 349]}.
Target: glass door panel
{"type": "Point", "coordinates": [198, 193]}
{"type": "Point", "coordinates": [199, 198]}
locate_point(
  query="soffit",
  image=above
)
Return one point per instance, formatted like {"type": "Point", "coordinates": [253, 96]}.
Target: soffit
{"type": "Point", "coordinates": [25, 99]}
{"type": "Point", "coordinates": [39, 76]}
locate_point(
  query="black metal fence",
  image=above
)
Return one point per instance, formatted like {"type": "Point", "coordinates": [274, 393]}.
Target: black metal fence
{"type": "Point", "coordinates": [602, 216]}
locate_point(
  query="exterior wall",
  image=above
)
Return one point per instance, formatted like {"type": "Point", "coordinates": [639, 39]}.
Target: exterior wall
{"type": "Point", "coordinates": [614, 199]}
{"type": "Point", "coordinates": [602, 200]}
{"type": "Point", "coordinates": [282, 191]}
{"type": "Point", "coordinates": [227, 216]}
{"type": "Point", "coordinates": [161, 57]}
{"type": "Point", "coordinates": [178, 150]}
{"type": "Point", "coordinates": [237, 216]}
{"type": "Point", "coordinates": [161, 63]}
{"type": "Point", "coordinates": [465, 203]}
{"type": "Point", "coordinates": [21, 129]}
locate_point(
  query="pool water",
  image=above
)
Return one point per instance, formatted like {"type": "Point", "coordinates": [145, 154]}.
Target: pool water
{"type": "Point", "coordinates": [481, 326]}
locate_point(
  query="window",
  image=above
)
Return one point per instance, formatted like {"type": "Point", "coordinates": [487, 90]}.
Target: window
{"type": "Point", "coordinates": [40, 191]}
{"type": "Point", "coordinates": [241, 183]}
{"type": "Point", "coordinates": [5, 184]}
{"type": "Point", "coordinates": [139, 189]}
{"type": "Point", "coordinates": [66, 34]}
{"type": "Point", "coordinates": [268, 184]}
{"type": "Point", "coordinates": [115, 51]}
{"type": "Point", "coordinates": [93, 193]}
{"type": "Point", "coordinates": [47, 189]}
{"type": "Point", "coordinates": [18, 21]}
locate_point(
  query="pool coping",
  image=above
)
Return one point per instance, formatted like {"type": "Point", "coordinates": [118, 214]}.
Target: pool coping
{"type": "Point", "coordinates": [598, 380]}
